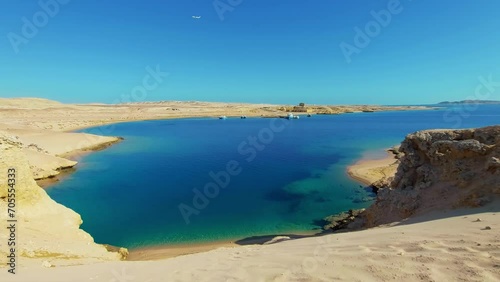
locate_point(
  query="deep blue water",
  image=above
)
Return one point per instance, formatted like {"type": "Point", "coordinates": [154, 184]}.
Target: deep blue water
{"type": "Point", "coordinates": [129, 194]}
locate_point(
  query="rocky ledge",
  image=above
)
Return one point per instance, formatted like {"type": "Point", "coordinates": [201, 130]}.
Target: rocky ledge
{"type": "Point", "coordinates": [439, 169]}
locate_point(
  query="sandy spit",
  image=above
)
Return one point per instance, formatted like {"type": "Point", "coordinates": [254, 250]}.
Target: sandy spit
{"type": "Point", "coordinates": [368, 171]}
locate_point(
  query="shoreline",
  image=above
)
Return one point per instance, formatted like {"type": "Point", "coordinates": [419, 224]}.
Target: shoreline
{"type": "Point", "coordinates": [368, 170]}
{"type": "Point", "coordinates": [158, 252]}
{"type": "Point", "coordinates": [46, 183]}
{"type": "Point", "coordinates": [75, 155]}
{"type": "Point", "coordinates": [170, 251]}
{"type": "Point", "coordinates": [101, 146]}
{"type": "Point", "coordinates": [256, 115]}
{"type": "Point", "coordinates": [60, 157]}
{"type": "Point", "coordinates": [96, 147]}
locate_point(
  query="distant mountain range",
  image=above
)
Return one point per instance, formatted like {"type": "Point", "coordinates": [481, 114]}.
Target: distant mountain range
{"type": "Point", "coordinates": [469, 102]}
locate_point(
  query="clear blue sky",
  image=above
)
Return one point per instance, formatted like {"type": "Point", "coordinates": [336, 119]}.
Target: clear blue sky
{"type": "Point", "coordinates": [263, 51]}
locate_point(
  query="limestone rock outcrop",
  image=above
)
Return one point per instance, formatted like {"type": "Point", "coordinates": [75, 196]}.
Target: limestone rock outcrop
{"type": "Point", "coordinates": [44, 165]}
{"type": "Point", "coordinates": [45, 229]}
{"type": "Point", "coordinates": [440, 169]}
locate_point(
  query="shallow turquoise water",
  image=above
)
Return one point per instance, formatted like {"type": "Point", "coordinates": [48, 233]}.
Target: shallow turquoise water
{"type": "Point", "coordinates": [129, 194]}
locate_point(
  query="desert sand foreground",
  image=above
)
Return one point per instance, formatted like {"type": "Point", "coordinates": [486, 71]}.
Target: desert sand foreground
{"type": "Point", "coordinates": [442, 246]}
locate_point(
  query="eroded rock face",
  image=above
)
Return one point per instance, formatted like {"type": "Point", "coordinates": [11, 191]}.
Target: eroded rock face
{"type": "Point", "coordinates": [45, 229]}
{"type": "Point", "coordinates": [441, 169]}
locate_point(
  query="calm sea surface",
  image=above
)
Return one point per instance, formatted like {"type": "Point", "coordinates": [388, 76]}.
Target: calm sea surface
{"type": "Point", "coordinates": [158, 187]}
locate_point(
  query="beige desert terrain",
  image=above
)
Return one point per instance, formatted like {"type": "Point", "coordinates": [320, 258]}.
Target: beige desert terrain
{"type": "Point", "coordinates": [43, 114]}
{"type": "Point", "coordinates": [415, 238]}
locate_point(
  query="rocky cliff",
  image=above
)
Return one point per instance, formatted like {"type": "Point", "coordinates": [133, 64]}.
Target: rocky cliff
{"type": "Point", "coordinates": [45, 229]}
{"type": "Point", "coordinates": [440, 169]}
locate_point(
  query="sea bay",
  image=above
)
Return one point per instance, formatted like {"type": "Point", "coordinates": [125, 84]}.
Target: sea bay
{"type": "Point", "coordinates": [129, 194]}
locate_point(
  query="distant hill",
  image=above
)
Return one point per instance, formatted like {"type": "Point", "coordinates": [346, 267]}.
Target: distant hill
{"type": "Point", "coordinates": [469, 102]}
{"type": "Point", "coordinates": [28, 103]}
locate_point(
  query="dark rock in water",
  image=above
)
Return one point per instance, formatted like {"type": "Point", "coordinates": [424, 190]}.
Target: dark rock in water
{"type": "Point", "coordinates": [341, 220]}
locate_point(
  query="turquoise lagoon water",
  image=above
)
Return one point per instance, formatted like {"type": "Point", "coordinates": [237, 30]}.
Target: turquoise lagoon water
{"type": "Point", "coordinates": [129, 194]}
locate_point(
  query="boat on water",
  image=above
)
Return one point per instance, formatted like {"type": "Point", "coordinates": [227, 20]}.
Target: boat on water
{"type": "Point", "coordinates": [291, 116]}
{"type": "Point", "coordinates": [222, 117]}
{"type": "Point", "coordinates": [243, 117]}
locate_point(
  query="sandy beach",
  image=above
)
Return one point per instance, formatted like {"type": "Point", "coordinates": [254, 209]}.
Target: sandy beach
{"type": "Point", "coordinates": [170, 251]}
{"type": "Point", "coordinates": [445, 245]}
{"type": "Point", "coordinates": [368, 171]}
